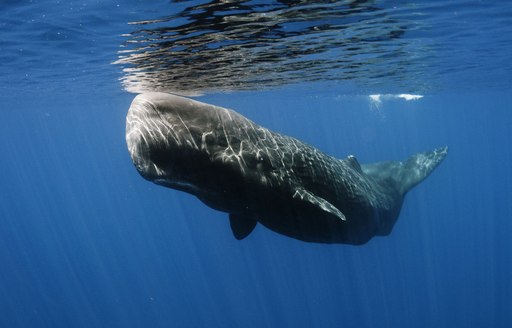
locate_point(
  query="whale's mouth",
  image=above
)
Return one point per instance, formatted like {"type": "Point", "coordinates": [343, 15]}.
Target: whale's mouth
{"type": "Point", "coordinates": [178, 185]}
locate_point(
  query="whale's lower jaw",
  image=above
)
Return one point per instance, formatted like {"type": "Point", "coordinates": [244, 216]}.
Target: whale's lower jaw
{"type": "Point", "coordinates": [179, 185]}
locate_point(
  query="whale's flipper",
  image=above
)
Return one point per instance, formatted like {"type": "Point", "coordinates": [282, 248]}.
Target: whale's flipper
{"type": "Point", "coordinates": [402, 176]}
{"type": "Point", "coordinates": [241, 225]}
{"type": "Point", "coordinates": [319, 203]}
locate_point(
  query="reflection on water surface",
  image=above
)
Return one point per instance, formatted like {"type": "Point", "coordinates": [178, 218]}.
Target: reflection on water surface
{"type": "Point", "coordinates": [249, 45]}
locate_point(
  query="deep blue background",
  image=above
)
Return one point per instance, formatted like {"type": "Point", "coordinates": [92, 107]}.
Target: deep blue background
{"type": "Point", "coordinates": [86, 242]}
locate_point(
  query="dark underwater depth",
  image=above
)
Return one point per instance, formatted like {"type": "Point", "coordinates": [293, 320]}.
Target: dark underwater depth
{"type": "Point", "coordinates": [86, 242]}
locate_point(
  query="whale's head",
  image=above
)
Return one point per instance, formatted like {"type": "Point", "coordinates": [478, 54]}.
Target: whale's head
{"type": "Point", "coordinates": [191, 146]}
{"type": "Point", "coordinates": [165, 135]}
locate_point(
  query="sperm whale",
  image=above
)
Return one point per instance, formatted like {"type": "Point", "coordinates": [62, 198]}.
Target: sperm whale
{"type": "Point", "coordinates": [259, 176]}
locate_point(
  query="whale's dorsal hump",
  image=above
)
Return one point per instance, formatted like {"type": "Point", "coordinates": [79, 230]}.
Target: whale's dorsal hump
{"type": "Point", "coordinates": [319, 202]}
{"type": "Point", "coordinates": [353, 163]}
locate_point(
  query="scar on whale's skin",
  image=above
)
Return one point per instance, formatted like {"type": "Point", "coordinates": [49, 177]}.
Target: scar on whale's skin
{"type": "Point", "coordinates": [259, 176]}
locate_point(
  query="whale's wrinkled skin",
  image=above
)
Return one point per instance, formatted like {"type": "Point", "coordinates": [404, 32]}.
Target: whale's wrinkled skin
{"type": "Point", "coordinates": [256, 175]}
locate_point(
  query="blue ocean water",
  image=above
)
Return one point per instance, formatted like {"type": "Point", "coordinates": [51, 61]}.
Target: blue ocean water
{"type": "Point", "coordinates": [86, 242]}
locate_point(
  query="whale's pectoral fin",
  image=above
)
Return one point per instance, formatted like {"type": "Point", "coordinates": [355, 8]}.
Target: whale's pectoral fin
{"type": "Point", "coordinates": [318, 202]}
{"type": "Point", "coordinates": [241, 225]}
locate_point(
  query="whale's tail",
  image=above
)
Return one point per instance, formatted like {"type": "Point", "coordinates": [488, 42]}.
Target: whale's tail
{"type": "Point", "coordinates": [403, 176]}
